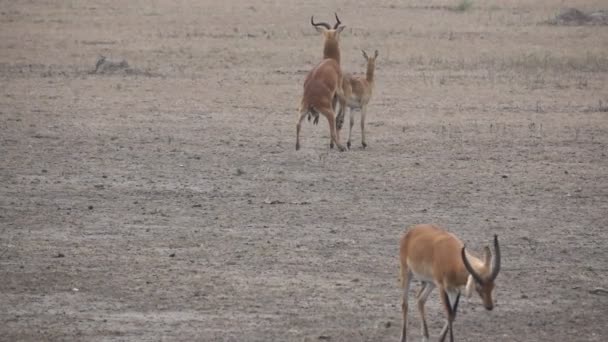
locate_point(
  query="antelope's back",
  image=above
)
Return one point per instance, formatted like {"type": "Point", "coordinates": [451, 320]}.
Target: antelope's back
{"type": "Point", "coordinates": [427, 247]}
{"type": "Point", "coordinates": [321, 83]}
{"type": "Point", "coordinates": [327, 71]}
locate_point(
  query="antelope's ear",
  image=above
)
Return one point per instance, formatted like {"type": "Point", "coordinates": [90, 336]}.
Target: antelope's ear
{"type": "Point", "coordinates": [339, 29]}
{"type": "Point", "coordinates": [364, 54]}
{"type": "Point", "coordinates": [375, 54]}
{"type": "Point", "coordinates": [468, 290]}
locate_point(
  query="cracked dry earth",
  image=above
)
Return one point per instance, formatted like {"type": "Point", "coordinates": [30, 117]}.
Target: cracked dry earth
{"type": "Point", "coordinates": [163, 200]}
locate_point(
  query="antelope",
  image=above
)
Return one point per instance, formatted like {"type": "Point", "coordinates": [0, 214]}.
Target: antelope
{"type": "Point", "coordinates": [358, 92]}
{"type": "Point", "coordinates": [323, 84]}
{"type": "Point", "coordinates": [439, 259]}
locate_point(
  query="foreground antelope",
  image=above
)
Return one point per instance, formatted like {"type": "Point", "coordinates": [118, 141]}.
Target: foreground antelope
{"type": "Point", "coordinates": [358, 92]}
{"type": "Point", "coordinates": [438, 259]}
{"type": "Point", "coordinates": [323, 83]}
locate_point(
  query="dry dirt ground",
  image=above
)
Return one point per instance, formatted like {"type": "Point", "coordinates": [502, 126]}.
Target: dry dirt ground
{"type": "Point", "coordinates": [164, 201]}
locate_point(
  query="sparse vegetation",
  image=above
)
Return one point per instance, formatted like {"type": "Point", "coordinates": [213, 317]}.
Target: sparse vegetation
{"type": "Point", "coordinates": [464, 5]}
{"type": "Point", "coordinates": [575, 17]}
{"type": "Point", "coordinates": [106, 65]}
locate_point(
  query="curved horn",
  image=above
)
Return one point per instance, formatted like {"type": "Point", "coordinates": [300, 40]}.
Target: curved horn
{"type": "Point", "coordinates": [469, 267]}
{"type": "Point", "coordinates": [496, 263]}
{"type": "Point", "coordinates": [312, 22]}
{"type": "Point", "coordinates": [338, 22]}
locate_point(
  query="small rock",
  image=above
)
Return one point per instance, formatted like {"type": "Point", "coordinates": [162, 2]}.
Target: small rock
{"type": "Point", "coordinates": [59, 255]}
{"type": "Point", "coordinates": [172, 255]}
{"type": "Point", "coordinates": [106, 65]}
{"type": "Point", "coordinates": [599, 291]}
{"type": "Point", "coordinates": [90, 207]}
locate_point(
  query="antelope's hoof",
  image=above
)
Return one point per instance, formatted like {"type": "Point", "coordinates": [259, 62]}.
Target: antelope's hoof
{"type": "Point", "coordinates": [341, 148]}
{"type": "Point", "coordinates": [348, 144]}
{"type": "Point", "coordinates": [297, 147]}
{"type": "Point", "coordinates": [331, 145]}
{"type": "Point", "coordinates": [364, 144]}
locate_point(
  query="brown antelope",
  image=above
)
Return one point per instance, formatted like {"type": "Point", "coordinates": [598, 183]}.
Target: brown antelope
{"type": "Point", "coordinates": [358, 92]}
{"type": "Point", "coordinates": [438, 259]}
{"type": "Point", "coordinates": [324, 83]}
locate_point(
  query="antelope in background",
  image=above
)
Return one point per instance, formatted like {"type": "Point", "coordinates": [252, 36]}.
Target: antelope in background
{"type": "Point", "coordinates": [439, 259]}
{"type": "Point", "coordinates": [358, 91]}
{"type": "Point", "coordinates": [324, 83]}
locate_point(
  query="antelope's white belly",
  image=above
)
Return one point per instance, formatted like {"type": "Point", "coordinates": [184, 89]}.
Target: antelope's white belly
{"type": "Point", "coordinates": [422, 277]}
{"type": "Point", "coordinates": [353, 102]}
{"type": "Point", "coordinates": [422, 272]}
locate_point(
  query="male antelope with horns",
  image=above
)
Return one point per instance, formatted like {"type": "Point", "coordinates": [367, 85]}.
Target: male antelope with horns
{"type": "Point", "coordinates": [323, 83]}
{"type": "Point", "coordinates": [439, 259]}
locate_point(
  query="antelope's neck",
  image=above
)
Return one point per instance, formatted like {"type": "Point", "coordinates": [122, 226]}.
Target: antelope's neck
{"type": "Point", "coordinates": [332, 50]}
{"type": "Point", "coordinates": [369, 74]}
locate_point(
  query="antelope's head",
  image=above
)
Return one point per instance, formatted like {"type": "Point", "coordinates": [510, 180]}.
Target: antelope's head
{"type": "Point", "coordinates": [329, 33]}
{"type": "Point", "coordinates": [371, 61]}
{"type": "Point", "coordinates": [482, 278]}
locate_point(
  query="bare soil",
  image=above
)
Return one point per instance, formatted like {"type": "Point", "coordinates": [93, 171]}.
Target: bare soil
{"type": "Point", "coordinates": [163, 200]}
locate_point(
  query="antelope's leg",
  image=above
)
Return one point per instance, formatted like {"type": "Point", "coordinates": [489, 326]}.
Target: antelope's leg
{"type": "Point", "coordinates": [406, 279]}
{"type": "Point", "coordinates": [340, 117]}
{"type": "Point", "coordinates": [298, 127]}
{"type": "Point", "coordinates": [350, 130]}
{"type": "Point", "coordinates": [340, 97]}
{"type": "Point", "coordinates": [363, 112]}
{"type": "Point", "coordinates": [423, 295]}
{"type": "Point", "coordinates": [331, 119]}
{"type": "Point", "coordinates": [334, 104]}
{"type": "Point", "coordinates": [450, 301]}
